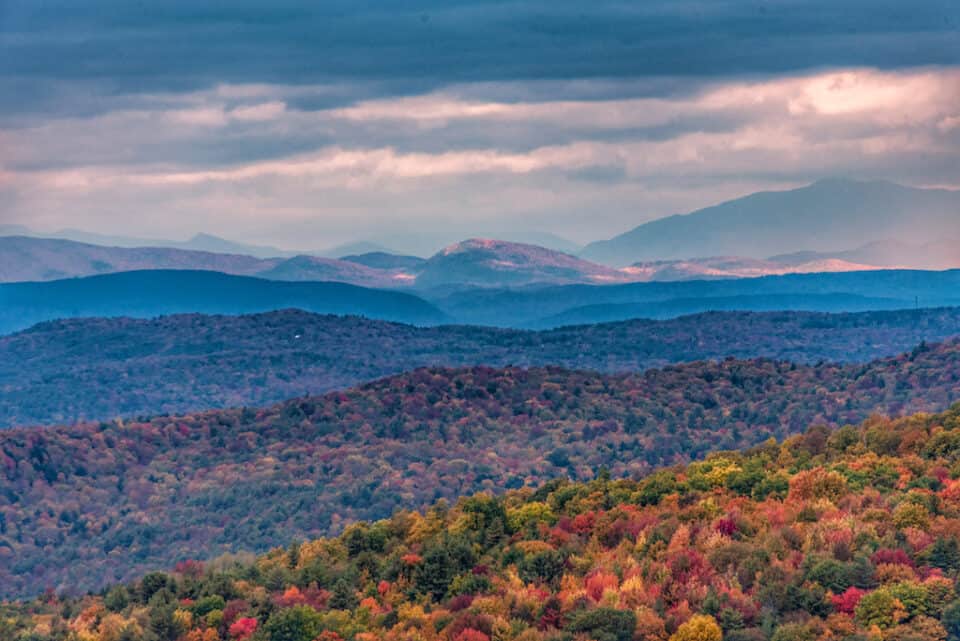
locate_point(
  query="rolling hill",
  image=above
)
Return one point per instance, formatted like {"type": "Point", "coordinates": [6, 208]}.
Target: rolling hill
{"type": "Point", "coordinates": [41, 259]}
{"type": "Point", "coordinates": [725, 267]}
{"type": "Point", "coordinates": [827, 216]}
{"type": "Point", "coordinates": [612, 312]}
{"type": "Point", "coordinates": [89, 504]}
{"type": "Point", "coordinates": [940, 254]}
{"type": "Point", "coordinates": [849, 534]}
{"type": "Point", "coordinates": [841, 291]}
{"type": "Point", "coordinates": [385, 260]}
{"type": "Point", "coordinates": [307, 268]}
{"type": "Point", "coordinates": [101, 369]}
{"type": "Point", "coordinates": [198, 242]}
{"type": "Point", "coordinates": [152, 293]}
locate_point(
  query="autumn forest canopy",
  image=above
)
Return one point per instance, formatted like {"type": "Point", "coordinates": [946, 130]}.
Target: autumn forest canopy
{"type": "Point", "coordinates": [89, 503]}
{"type": "Point", "coordinates": [104, 368]}
{"type": "Point", "coordinates": [833, 534]}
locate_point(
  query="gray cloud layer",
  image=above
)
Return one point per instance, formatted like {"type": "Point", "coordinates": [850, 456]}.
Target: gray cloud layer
{"type": "Point", "coordinates": [393, 48]}
{"type": "Point", "coordinates": [337, 118]}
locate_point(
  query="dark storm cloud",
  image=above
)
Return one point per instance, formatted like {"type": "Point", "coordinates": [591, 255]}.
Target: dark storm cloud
{"type": "Point", "coordinates": [393, 48]}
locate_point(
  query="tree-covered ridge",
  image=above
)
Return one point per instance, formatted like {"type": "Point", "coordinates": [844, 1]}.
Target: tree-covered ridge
{"type": "Point", "coordinates": [104, 368]}
{"type": "Point", "coordinates": [85, 505]}
{"type": "Point", "coordinates": [850, 534]}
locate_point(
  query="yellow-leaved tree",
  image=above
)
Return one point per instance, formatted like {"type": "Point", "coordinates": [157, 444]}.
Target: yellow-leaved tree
{"type": "Point", "coordinates": [700, 627]}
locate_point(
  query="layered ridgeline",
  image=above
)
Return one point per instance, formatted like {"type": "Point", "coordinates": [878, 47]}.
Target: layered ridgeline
{"type": "Point", "coordinates": [145, 294]}
{"type": "Point", "coordinates": [845, 535]}
{"type": "Point", "coordinates": [831, 225]}
{"type": "Point", "coordinates": [826, 292]}
{"type": "Point", "coordinates": [473, 262]}
{"type": "Point", "coordinates": [87, 504]}
{"type": "Point", "coordinates": [470, 263]}
{"type": "Point", "coordinates": [101, 369]}
{"type": "Point", "coordinates": [25, 258]}
{"type": "Point", "coordinates": [152, 293]}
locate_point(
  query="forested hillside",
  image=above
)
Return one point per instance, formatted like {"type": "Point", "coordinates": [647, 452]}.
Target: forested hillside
{"type": "Point", "coordinates": [87, 504]}
{"type": "Point", "coordinates": [845, 535]}
{"type": "Point", "coordinates": [100, 369]}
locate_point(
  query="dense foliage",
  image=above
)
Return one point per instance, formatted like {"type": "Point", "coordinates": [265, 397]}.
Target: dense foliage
{"type": "Point", "coordinates": [100, 369]}
{"type": "Point", "coordinates": [83, 505]}
{"type": "Point", "coordinates": [847, 535]}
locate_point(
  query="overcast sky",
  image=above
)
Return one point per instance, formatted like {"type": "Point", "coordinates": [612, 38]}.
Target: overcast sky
{"type": "Point", "coordinates": [304, 124]}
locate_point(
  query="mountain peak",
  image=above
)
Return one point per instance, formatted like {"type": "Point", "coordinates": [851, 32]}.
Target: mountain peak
{"type": "Point", "coordinates": [203, 236]}
{"type": "Point", "coordinates": [470, 243]}
{"type": "Point", "coordinates": [491, 262]}
{"type": "Point", "coordinates": [491, 244]}
{"type": "Point", "coordinates": [829, 215]}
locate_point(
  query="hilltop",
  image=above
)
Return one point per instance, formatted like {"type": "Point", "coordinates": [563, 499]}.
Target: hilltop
{"type": "Point", "coordinates": [848, 534]}
{"type": "Point", "coordinates": [497, 263]}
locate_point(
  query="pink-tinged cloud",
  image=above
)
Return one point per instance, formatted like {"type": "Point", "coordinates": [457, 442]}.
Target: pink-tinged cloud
{"type": "Point", "coordinates": [444, 156]}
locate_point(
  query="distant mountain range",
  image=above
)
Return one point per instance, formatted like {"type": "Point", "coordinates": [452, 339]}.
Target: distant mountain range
{"type": "Point", "coordinates": [809, 230]}
{"type": "Point", "coordinates": [427, 242]}
{"type": "Point", "coordinates": [805, 230]}
{"type": "Point", "coordinates": [827, 216]}
{"type": "Point", "coordinates": [199, 242]}
{"type": "Point", "coordinates": [471, 263]}
{"type": "Point", "coordinates": [474, 262]}
{"type": "Point", "coordinates": [25, 258]}
{"type": "Point", "coordinates": [158, 292]}
{"type": "Point", "coordinates": [718, 267]}
{"type": "Point", "coordinates": [150, 293]}
{"type": "Point", "coordinates": [940, 254]}
{"type": "Point", "coordinates": [55, 372]}
{"type": "Point", "coordinates": [421, 243]}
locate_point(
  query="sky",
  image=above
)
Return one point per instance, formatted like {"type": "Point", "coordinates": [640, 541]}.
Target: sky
{"type": "Point", "coordinates": [306, 124]}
